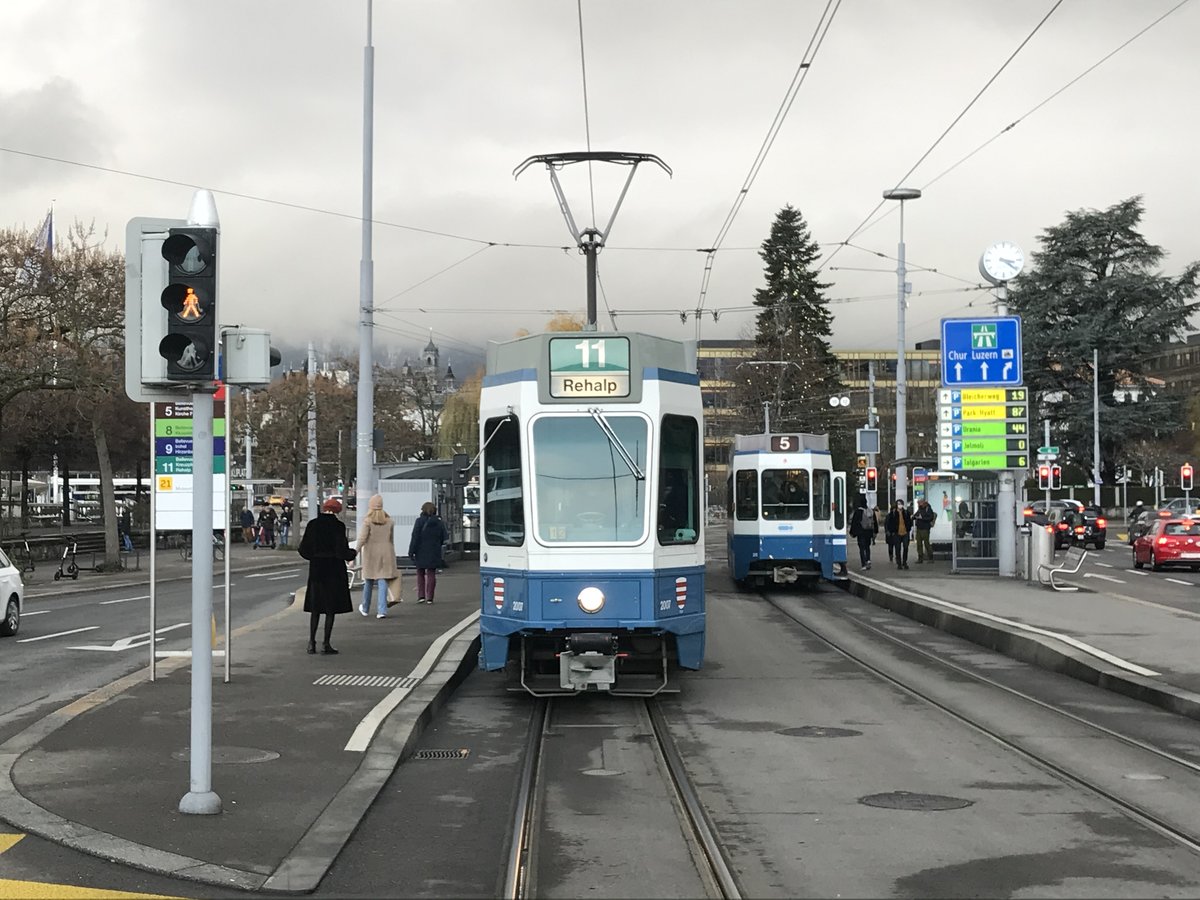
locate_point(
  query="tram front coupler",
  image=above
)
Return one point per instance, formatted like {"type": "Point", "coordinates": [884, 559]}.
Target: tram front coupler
{"type": "Point", "coordinates": [589, 662]}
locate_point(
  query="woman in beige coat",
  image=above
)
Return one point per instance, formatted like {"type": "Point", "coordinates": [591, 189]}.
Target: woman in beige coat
{"type": "Point", "coordinates": [377, 553]}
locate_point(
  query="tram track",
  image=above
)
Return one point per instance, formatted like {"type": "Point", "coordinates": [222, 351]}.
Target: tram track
{"type": "Point", "coordinates": [696, 829]}
{"type": "Point", "coordinates": [1187, 836]}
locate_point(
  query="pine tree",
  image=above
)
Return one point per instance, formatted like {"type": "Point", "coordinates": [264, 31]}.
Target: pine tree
{"type": "Point", "coordinates": [1095, 285]}
{"type": "Point", "coordinates": [797, 372]}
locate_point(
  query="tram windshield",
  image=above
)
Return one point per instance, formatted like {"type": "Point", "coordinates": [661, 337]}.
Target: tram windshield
{"type": "Point", "coordinates": [785, 495]}
{"type": "Point", "coordinates": [584, 491]}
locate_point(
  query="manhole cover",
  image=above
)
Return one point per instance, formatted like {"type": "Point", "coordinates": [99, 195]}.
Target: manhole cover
{"type": "Point", "coordinates": [602, 772]}
{"type": "Point", "coordinates": [818, 731]}
{"type": "Point", "coordinates": [918, 802]}
{"type": "Point", "coordinates": [232, 755]}
{"type": "Point", "coordinates": [441, 754]}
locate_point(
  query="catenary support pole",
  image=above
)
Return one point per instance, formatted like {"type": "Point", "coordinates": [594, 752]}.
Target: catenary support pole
{"type": "Point", "coordinates": [1096, 426]}
{"type": "Point", "coordinates": [1006, 492]}
{"type": "Point", "coordinates": [312, 432]}
{"type": "Point", "coordinates": [365, 468]}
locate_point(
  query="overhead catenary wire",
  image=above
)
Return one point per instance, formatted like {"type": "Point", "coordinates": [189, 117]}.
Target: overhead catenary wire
{"type": "Point", "coordinates": [806, 59]}
{"type": "Point", "coordinates": [587, 124]}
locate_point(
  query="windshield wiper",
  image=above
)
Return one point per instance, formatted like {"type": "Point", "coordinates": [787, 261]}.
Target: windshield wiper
{"type": "Point", "coordinates": [616, 442]}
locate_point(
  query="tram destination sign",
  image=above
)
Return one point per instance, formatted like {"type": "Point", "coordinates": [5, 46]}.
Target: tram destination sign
{"type": "Point", "coordinates": [586, 366]}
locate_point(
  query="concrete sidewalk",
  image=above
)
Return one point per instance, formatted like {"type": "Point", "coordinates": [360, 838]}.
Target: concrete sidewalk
{"type": "Point", "coordinates": [1139, 648]}
{"type": "Point", "coordinates": [301, 743]}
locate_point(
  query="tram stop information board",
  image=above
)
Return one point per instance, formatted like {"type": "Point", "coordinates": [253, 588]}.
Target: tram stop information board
{"type": "Point", "coordinates": [983, 428]}
{"type": "Point", "coordinates": [173, 464]}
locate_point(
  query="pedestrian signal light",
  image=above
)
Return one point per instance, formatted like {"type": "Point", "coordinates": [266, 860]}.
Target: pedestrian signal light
{"type": "Point", "coordinates": [1185, 476]}
{"type": "Point", "coordinates": [862, 462]}
{"type": "Point", "coordinates": [1055, 478]}
{"type": "Point", "coordinates": [190, 299]}
{"type": "Point", "coordinates": [872, 478]}
{"type": "Point", "coordinates": [1044, 478]}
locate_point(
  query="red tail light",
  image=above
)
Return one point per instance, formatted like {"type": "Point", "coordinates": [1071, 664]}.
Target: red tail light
{"type": "Point", "coordinates": [1161, 540]}
{"type": "Point", "coordinates": [1029, 512]}
{"type": "Point", "coordinates": [1063, 526]}
{"type": "Point", "coordinates": [1079, 529]}
{"type": "Point", "coordinates": [1102, 523]}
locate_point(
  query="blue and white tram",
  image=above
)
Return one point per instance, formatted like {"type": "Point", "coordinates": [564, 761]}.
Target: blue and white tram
{"type": "Point", "coordinates": [592, 515]}
{"type": "Point", "coordinates": [786, 510]}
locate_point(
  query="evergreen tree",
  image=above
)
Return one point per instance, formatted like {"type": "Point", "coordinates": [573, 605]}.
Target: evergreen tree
{"type": "Point", "coordinates": [797, 372]}
{"type": "Point", "coordinates": [1095, 285]}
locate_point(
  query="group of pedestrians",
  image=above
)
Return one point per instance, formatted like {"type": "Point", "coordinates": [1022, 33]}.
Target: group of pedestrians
{"type": "Point", "coordinates": [269, 527]}
{"type": "Point", "coordinates": [328, 552]}
{"type": "Point", "coordinates": [900, 526]}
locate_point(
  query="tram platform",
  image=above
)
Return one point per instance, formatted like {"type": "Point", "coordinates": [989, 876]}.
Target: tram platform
{"type": "Point", "coordinates": [301, 744]}
{"type": "Point", "coordinates": [1130, 632]}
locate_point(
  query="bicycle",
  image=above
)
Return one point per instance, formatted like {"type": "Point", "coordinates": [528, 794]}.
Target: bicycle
{"type": "Point", "coordinates": [218, 548]}
{"type": "Point", "coordinates": [21, 556]}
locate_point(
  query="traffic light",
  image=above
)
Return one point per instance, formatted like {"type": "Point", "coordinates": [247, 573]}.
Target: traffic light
{"type": "Point", "coordinates": [190, 299]}
{"type": "Point", "coordinates": [1043, 478]}
{"type": "Point", "coordinates": [861, 463]}
{"type": "Point", "coordinates": [1185, 476]}
{"type": "Point", "coordinates": [1055, 478]}
{"type": "Point", "coordinates": [872, 479]}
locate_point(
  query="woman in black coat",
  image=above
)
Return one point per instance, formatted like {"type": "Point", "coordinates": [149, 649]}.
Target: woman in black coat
{"type": "Point", "coordinates": [425, 550]}
{"type": "Point", "coordinates": [325, 547]}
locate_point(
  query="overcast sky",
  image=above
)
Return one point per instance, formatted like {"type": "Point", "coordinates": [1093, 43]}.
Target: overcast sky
{"type": "Point", "coordinates": [264, 98]}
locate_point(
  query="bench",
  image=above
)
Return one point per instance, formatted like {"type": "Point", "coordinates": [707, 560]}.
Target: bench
{"type": "Point", "coordinates": [1069, 566]}
{"type": "Point", "coordinates": [74, 547]}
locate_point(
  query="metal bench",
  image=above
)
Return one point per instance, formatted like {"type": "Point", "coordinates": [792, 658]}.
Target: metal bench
{"type": "Point", "coordinates": [1070, 565]}
{"type": "Point", "coordinates": [76, 545]}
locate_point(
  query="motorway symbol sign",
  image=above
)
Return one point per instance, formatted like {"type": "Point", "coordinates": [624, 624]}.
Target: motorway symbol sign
{"type": "Point", "coordinates": [1042, 450]}
{"type": "Point", "coordinates": [981, 352]}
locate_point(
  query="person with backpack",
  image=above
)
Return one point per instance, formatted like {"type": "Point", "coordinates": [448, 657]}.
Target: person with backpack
{"type": "Point", "coordinates": [862, 529]}
{"type": "Point", "coordinates": [923, 520]}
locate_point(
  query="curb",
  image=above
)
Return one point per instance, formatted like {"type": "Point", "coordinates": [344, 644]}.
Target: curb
{"type": "Point", "coordinates": [302, 870]}
{"type": "Point", "coordinates": [56, 588]}
{"type": "Point", "coordinates": [1041, 650]}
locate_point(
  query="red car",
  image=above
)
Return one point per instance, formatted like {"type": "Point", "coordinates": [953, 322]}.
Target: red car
{"type": "Point", "coordinates": [1169, 542]}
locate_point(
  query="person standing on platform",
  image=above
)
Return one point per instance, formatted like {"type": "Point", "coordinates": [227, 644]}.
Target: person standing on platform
{"type": "Point", "coordinates": [377, 552]}
{"type": "Point", "coordinates": [285, 524]}
{"type": "Point", "coordinates": [862, 529]}
{"type": "Point", "coordinates": [899, 523]}
{"type": "Point", "coordinates": [425, 549]}
{"type": "Point", "coordinates": [247, 521]}
{"type": "Point", "coordinates": [325, 547]}
{"type": "Point", "coordinates": [923, 520]}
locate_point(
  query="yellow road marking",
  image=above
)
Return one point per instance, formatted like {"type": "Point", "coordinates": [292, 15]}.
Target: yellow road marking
{"type": "Point", "coordinates": [7, 840]}
{"type": "Point", "coordinates": [36, 890]}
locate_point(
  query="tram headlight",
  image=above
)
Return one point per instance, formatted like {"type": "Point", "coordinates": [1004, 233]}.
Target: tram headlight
{"type": "Point", "coordinates": [591, 599]}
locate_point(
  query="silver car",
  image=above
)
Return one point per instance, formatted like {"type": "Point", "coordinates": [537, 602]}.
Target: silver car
{"type": "Point", "coordinates": [12, 593]}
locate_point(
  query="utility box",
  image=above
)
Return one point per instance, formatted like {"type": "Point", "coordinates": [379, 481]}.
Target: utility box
{"type": "Point", "coordinates": [1041, 549]}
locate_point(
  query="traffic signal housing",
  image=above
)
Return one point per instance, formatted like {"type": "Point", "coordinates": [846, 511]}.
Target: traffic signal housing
{"type": "Point", "coordinates": [872, 478]}
{"type": "Point", "coordinates": [1185, 476]}
{"type": "Point", "coordinates": [1044, 478]}
{"type": "Point", "coordinates": [190, 299]}
{"type": "Point", "coordinates": [1055, 478]}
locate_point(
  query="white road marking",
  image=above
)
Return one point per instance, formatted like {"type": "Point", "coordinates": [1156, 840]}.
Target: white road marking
{"type": "Point", "coordinates": [124, 599]}
{"type": "Point", "coordinates": [370, 724]}
{"type": "Point", "coordinates": [129, 643]}
{"type": "Point", "coordinates": [1103, 577]}
{"type": "Point", "coordinates": [46, 637]}
{"type": "Point", "coordinates": [1020, 626]}
{"type": "Point", "coordinates": [258, 575]}
{"type": "Point", "coordinates": [36, 612]}
{"type": "Point", "coordinates": [1179, 581]}
{"type": "Point", "coordinates": [283, 577]}
{"type": "Point", "coordinates": [1136, 572]}
{"type": "Point", "coordinates": [1106, 565]}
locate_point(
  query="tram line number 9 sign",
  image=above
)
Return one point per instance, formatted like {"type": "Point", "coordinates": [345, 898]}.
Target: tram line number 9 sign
{"type": "Point", "coordinates": [588, 366]}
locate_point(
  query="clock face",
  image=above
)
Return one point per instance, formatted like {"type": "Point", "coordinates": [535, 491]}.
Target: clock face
{"type": "Point", "coordinates": [1002, 261]}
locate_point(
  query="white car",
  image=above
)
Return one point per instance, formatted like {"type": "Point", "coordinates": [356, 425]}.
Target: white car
{"type": "Point", "coordinates": [12, 593]}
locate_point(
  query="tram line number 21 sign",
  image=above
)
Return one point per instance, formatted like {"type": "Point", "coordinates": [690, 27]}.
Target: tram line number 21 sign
{"type": "Point", "coordinates": [983, 428]}
{"type": "Point", "coordinates": [173, 464]}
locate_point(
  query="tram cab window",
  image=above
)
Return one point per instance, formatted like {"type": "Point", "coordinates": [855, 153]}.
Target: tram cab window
{"type": "Point", "coordinates": [501, 484]}
{"type": "Point", "coordinates": [584, 491]}
{"type": "Point", "coordinates": [679, 482]}
{"type": "Point", "coordinates": [747, 495]}
{"type": "Point", "coordinates": [822, 494]}
{"type": "Point", "coordinates": [785, 495]}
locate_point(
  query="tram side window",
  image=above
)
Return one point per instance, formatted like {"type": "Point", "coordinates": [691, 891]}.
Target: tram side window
{"type": "Point", "coordinates": [747, 495]}
{"type": "Point", "coordinates": [503, 515]}
{"type": "Point", "coordinates": [785, 495]}
{"type": "Point", "coordinates": [822, 494]}
{"type": "Point", "coordinates": [679, 482]}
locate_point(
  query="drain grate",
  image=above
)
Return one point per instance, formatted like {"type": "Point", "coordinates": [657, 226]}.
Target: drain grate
{"type": "Point", "coordinates": [918, 802]}
{"type": "Point", "coordinates": [442, 754]}
{"type": "Point", "coordinates": [387, 681]}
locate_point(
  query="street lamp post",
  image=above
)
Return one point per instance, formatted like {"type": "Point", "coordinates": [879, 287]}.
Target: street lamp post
{"type": "Point", "coordinates": [901, 194]}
